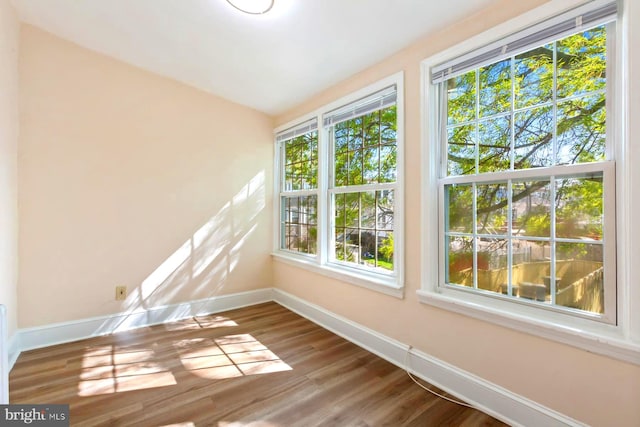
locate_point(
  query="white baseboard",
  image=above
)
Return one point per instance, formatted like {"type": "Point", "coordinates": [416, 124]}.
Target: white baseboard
{"type": "Point", "coordinates": [58, 333]}
{"type": "Point", "coordinates": [14, 350]}
{"type": "Point", "coordinates": [484, 395]}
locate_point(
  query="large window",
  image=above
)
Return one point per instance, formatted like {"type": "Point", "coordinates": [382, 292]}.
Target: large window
{"type": "Point", "coordinates": [298, 151]}
{"type": "Point", "coordinates": [363, 137]}
{"type": "Point", "coordinates": [527, 178]}
{"type": "Point", "coordinates": [340, 195]}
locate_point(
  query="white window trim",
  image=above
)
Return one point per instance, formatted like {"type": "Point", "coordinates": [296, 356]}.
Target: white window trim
{"type": "Point", "coordinates": [621, 341]}
{"type": "Point", "coordinates": [389, 284]}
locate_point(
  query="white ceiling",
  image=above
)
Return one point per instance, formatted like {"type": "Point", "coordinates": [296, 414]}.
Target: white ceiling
{"type": "Point", "coordinates": [270, 62]}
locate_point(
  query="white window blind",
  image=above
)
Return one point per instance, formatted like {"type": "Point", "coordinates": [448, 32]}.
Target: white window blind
{"type": "Point", "coordinates": [381, 99]}
{"type": "Point", "coordinates": [581, 18]}
{"type": "Point", "coordinates": [300, 129]}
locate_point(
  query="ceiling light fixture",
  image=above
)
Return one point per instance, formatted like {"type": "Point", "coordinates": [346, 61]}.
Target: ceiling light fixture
{"type": "Point", "coordinates": [252, 7]}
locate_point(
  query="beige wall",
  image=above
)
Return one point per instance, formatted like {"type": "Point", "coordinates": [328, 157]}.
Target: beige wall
{"type": "Point", "coordinates": [590, 388]}
{"type": "Point", "coordinates": [129, 178]}
{"type": "Point", "coordinates": [9, 32]}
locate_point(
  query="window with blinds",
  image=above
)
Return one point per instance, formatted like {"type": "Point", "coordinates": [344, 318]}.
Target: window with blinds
{"type": "Point", "coordinates": [298, 151]}
{"type": "Point", "coordinates": [363, 170]}
{"type": "Point", "coordinates": [340, 188]}
{"type": "Point", "coordinates": [527, 173]}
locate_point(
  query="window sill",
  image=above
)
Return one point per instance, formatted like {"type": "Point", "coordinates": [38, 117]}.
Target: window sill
{"type": "Point", "coordinates": [585, 334]}
{"type": "Point", "coordinates": [383, 285]}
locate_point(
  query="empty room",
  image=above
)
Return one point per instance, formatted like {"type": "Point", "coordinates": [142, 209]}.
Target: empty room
{"type": "Point", "coordinates": [276, 213]}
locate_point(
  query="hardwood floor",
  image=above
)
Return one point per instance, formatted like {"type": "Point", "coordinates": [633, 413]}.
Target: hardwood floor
{"type": "Point", "coordinates": [260, 366]}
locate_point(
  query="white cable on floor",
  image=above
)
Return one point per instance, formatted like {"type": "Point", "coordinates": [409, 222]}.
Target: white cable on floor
{"type": "Point", "coordinates": [406, 368]}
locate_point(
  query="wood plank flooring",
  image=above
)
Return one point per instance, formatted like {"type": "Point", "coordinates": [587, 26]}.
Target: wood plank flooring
{"type": "Point", "coordinates": [260, 366]}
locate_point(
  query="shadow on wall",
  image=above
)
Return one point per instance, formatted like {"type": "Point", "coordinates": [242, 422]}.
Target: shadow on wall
{"type": "Point", "coordinates": [200, 267]}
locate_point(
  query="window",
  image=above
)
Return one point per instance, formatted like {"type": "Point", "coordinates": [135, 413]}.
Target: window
{"type": "Point", "coordinates": [340, 192]}
{"type": "Point", "coordinates": [299, 188]}
{"type": "Point", "coordinates": [527, 174]}
{"type": "Point", "coordinates": [363, 138]}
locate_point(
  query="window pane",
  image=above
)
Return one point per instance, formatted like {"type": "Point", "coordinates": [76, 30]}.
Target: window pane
{"type": "Point", "coordinates": [368, 209]}
{"type": "Point", "coordinates": [491, 208]}
{"type": "Point", "coordinates": [579, 210]}
{"type": "Point", "coordinates": [299, 224]}
{"type": "Point", "coordinates": [461, 98]}
{"type": "Point", "coordinates": [461, 150]}
{"type": "Point", "coordinates": [352, 245]}
{"type": "Point", "coordinates": [531, 208]}
{"type": "Point", "coordinates": [341, 137]}
{"type": "Point", "coordinates": [371, 127]}
{"type": "Point", "coordinates": [531, 270]}
{"type": "Point", "coordinates": [581, 130]}
{"type": "Point", "coordinates": [388, 161]}
{"type": "Point", "coordinates": [388, 128]}
{"type": "Point", "coordinates": [385, 209]}
{"type": "Point", "coordinates": [352, 209]}
{"type": "Point", "coordinates": [459, 202]}
{"type": "Point", "coordinates": [494, 144]}
{"type": "Point", "coordinates": [534, 77]}
{"type": "Point", "coordinates": [301, 162]}
{"type": "Point", "coordinates": [340, 216]}
{"type": "Point", "coordinates": [495, 88]}
{"type": "Point", "coordinates": [355, 133]}
{"type": "Point", "coordinates": [354, 165]}
{"type": "Point", "coordinates": [582, 62]}
{"type": "Point", "coordinates": [533, 138]}
{"type": "Point", "coordinates": [371, 163]}
{"type": "Point", "coordinates": [341, 168]}
{"type": "Point", "coordinates": [460, 260]}
{"type": "Point", "coordinates": [492, 264]}
{"type": "Point", "coordinates": [580, 276]}
{"type": "Point", "coordinates": [340, 233]}
{"type": "Point", "coordinates": [385, 248]}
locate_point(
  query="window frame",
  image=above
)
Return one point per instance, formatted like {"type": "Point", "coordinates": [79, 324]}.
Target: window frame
{"type": "Point", "coordinates": [323, 262]}
{"type": "Point", "coordinates": [547, 173]}
{"type": "Point", "coordinates": [615, 340]}
{"type": "Point", "coordinates": [283, 192]}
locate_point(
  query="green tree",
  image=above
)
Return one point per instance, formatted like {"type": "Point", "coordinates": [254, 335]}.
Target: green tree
{"type": "Point", "coordinates": [481, 121]}
{"type": "Point", "coordinates": [386, 249]}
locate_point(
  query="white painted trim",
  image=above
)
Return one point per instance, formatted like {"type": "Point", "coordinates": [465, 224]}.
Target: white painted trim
{"type": "Point", "coordinates": [374, 282]}
{"type": "Point", "coordinates": [14, 350]}
{"type": "Point", "coordinates": [499, 402]}
{"type": "Point", "coordinates": [57, 333]}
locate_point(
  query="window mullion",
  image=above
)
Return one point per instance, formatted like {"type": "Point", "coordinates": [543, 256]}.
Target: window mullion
{"type": "Point", "coordinates": [477, 124]}
{"type": "Point", "coordinates": [512, 125]}
{"type": "Point", "coordinates": [510, 237]}
{"type": "Point", "coordinates": [554, 109]}
{"type": "Point", "coordinates": [325, 173]}
{"type": "Point", "coordinates": [552, 249]}
{"type": "Point", "coordinates": [474, 190]}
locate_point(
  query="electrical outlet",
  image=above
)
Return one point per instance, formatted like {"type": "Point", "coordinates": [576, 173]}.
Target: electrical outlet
{"type": "Point", "coordinates": [121, 293]}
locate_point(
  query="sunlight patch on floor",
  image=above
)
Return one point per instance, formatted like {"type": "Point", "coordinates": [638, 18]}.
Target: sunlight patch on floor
{"type": "Point", "coordinates": [228, 357]}
{"type": "Point", "coordinates": [109, 369]}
